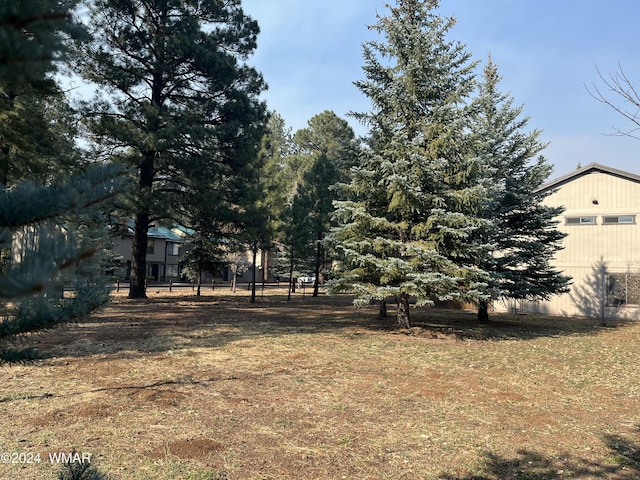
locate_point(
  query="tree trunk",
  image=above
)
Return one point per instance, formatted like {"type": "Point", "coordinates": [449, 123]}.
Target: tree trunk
{"type": "Point", "coordinates": [483, 311]}
{"type": "Point", "coordinates": [291, 285]}
{"type": "Point", "coordinates": [137, 285]}
{"type": "Point", "coordinates": [234, 280]}
{"type": "Point", "coordinates": [316, 283]}
{"type": "Point", "coordinates": [403, 319]}
{"type": "Point", "coordinates": [382, 312]}
{"type": "Point", "coordinates": [253, 274]}
{"type": "Point", "coordinates": [200, 263]}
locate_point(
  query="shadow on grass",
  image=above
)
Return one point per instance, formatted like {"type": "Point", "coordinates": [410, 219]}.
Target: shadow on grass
{"type": "Point", "coordinates": [464, 326]}
{"type": "Point", "coordinates": [622, 463]}
{"type": "Point", "coordinates": [186, 380]}
{"type": "Point", "coordinates": [129, 328]}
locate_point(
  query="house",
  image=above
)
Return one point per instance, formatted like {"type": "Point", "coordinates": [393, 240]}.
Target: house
{"type": "Point", "coordinates": [602, 247]}
{"type": "Point", "coordinates": [164, 250]}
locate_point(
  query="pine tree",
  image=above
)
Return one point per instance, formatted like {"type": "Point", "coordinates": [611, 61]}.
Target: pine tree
{"type": "Point", "coordinates": [256, 228]}
{"type": "Point", "coordinates": [523, 234]}
{"type": "Point", "coordinates": [329, 145]}
{"type": "Point", "coordinates": [39, 222]}
{"type": "Point", "coordinates": [282, 175]}
{"type": "Point", "coordinates": [416, 196]}
{"type": "Point", "coordinates": [205, 240]}
{"type": "Point", "coordinates": [180, 104]}
{"type": "Point", "coordinates": [37, 134]}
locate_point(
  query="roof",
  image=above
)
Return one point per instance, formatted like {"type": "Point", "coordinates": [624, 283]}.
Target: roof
{"type": "Point", "coordinates": [589, 169]}
{"type": "Point", "coordinates": [164, 233]}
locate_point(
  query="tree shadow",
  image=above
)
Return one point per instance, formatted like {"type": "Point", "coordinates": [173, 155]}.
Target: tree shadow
{"type": "Point", "coordinates": [621, 463]}
{"type": "Point", "coordinates": [134, 328]}
{"type": "Point", "coordinates": [599, 297]}
{"type": "Point", "coordinates": [590, 298]}
{"type": "Point", "coordinates": [463, 325]}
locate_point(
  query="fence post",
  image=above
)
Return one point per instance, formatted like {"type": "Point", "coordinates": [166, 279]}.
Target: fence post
{"type": "Point", "coordinates": [171, 285]}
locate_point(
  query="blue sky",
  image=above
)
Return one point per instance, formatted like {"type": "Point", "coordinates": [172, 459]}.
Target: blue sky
{"type": "Point", "coordinates": [310, 53]}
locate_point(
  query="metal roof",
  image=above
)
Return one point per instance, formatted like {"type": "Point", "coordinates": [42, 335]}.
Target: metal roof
{"type": "Point", "coordinates": [589, 169]}
{"type": "Point", "coordinates": [165, 234]}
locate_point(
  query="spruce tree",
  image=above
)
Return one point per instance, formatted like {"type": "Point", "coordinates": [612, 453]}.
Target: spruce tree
{"type": "Point", "coordinates": [415, 198]}
{"type": "Point", "coordinates": [178, 103]}
{"type": "Point", "coordinates": [523, 234]}
{"type": "Point", "coordinates": [41, 210]}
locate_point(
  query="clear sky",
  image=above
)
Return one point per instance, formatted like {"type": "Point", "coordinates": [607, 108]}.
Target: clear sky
{"type": "Point", "coordinates": [547, 51]}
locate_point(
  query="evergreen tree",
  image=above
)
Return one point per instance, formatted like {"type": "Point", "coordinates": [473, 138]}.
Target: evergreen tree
{"type": "Point", "coordinates": [416, 195]}
{"type": "Point", "coordinates": [34, 36]}
{"type": "Point", "coordinates": [295, 235]}
{"type": "Point", "coordinates": [255, 226]}
{"type": "Point", "coordinates": [329, 145]}
{"type": "Point", "coordinates": [282, 175]}
{"type": "Point", "coordinates": [523, 234]}
{"type": "Point", "coordinates": [37, 134]}
{"type": "Point", "coordinates": [39, 222]}
{"type": "Point", "coordinates": [280, 167]}
{"type": "Point", "coordinates": [204, 246]}
{"type": "Point", "coordinates": [180, 104]}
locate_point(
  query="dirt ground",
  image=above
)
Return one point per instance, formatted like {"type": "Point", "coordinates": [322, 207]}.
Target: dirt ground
{"type": "Point", "coordinates": [179, 387]}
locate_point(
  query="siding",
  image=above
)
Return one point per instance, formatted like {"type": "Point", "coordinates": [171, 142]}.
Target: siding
{"type": "Point", "coordinates": [586, 245]}
{"type": "Point", "coordinates": [593, 252]}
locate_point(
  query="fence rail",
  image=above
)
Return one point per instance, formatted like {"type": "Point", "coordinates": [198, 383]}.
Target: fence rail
{"type": "Point", "coordinates": [170, 286]}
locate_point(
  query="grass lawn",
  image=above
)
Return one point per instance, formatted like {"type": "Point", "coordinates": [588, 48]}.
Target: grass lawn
{"type": "Point", "coordinates": [176, 387]}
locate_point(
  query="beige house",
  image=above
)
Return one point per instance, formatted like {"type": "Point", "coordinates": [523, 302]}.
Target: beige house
{"type": "Point", "coordinates": [602, 248]}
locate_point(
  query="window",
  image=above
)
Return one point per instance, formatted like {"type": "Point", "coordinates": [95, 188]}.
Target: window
{"type": "Point", "coordinates": [617, 219]}
{"type": "Point", "coordinates": [172, 271]}
{"type": "Point", "coordinates": [623, 289]}
{"type": "Point", "coordinates": [580, 220]}
{"type": "Point", "coordinates": [151, 247]}
{"type": "Point", "coordinates": [174, 249]}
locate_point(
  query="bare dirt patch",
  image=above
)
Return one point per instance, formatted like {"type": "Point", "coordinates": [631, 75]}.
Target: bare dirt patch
{"type": "Point", "coordinates": [179, 387]}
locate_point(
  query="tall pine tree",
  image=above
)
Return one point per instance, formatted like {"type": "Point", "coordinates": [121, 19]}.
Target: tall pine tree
{"type": "Point", "coordinates": [178, 102]}
{"type": "Point", "coordinates": [418, 191]}
{"type": "Point", "coordinates": [328, 143]}
{"type": "Point", "coordinates": [285, 200]}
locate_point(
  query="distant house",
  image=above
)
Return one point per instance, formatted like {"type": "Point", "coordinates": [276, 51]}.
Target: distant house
{"type": "Point", "coordinates": [167, 246]}
{"type": "Point", "coordinates": [602, 248]}
{"type": "Point", "coordinates": [164, 250]}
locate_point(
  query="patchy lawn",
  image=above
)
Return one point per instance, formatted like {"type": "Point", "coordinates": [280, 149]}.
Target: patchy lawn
{"type": "Point", "coordinates": [176, 387]}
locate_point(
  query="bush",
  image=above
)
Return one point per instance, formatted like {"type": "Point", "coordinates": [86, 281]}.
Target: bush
{"type": "Point", "coordinates": [79, 471]}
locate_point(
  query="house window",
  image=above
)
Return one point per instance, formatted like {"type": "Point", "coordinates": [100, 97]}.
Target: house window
{"type": "Point", "coordinates": [623, 289]}
{"type": "Point", "coordinates": [172, 271]}
{"type": "Point", "coordinates": [174, 249]}
{"type": "Point", "coordinates": [617, 219]}
{"type": "Point", "coordinates": [580, 220]}
{"type": "Point", "coordinates": [151, 247]}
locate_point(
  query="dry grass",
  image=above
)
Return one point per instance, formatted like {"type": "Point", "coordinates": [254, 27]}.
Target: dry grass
{"type": "Point", "coordinates": [179, 388]}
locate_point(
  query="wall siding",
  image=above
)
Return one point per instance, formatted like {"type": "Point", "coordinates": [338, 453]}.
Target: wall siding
{"type": "Point", "coordinates": [592, 252]}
